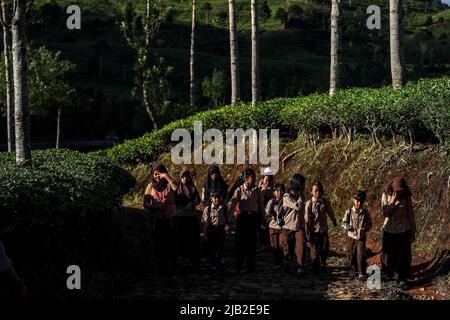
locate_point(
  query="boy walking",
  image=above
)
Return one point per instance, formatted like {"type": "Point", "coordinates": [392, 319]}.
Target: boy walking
{"type": "Point", "coordinates": [357, 223]}
{"type": "Point", "coordinates": [215, 226]}
{"type": "Point", "coordinates": [248, 207]}
{"type": "Point", "coordinates": [275, 223]}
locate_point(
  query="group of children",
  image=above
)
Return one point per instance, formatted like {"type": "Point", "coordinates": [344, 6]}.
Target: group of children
{"type": "Point", "coordinates": [284, 219]}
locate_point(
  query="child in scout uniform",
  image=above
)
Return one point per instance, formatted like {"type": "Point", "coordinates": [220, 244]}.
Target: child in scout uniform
{"type": "Point", "coordinates": [275, 223]}
{"type": "Point", "coordinates": [248, 208]}
{"type": "Point", "coordinates": [316, 226]}
{"type": "Point", "coordinates": [215, 226]}
{"type": "Point", "coordinates": [357, 223]}
{"type": "Point", "coordinates": [293, 234]}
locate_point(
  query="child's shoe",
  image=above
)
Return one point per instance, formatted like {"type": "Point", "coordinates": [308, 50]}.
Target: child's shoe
{"type": "Point", "coordinates": [402, 285]}
{"type": "Point", "coordinates": [300, 273]}
{"type": "Point", "coordinates": [362, 277]}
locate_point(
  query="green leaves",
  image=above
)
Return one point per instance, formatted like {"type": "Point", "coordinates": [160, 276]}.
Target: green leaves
{"type": "Point", "coordinates": [425, 104]}
{"type": "Point", "coordinates": [60, 182]}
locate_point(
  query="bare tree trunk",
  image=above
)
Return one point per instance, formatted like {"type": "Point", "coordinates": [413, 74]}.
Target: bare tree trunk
{"type": "Point", "coordinates": [335, 44]}
{"type": "Point", "coordinates": [22, 110]}
{"type": "Point", "coordinates": [145, 58]}
{"type": "Point", "coordinates": [398, 72]}
{"type": "Point", "coordinates": [8, 78]}
{"type": "Point", "coordinates": [255, 52]}
{"type": "Point", "coordinates": [58, 129]}
{"type": "Point", "coordinates": [148, 107]}
{"type": "Point", "coordinates": [234, 54]}
{"type": "Point", "coordinates": [192, 94]}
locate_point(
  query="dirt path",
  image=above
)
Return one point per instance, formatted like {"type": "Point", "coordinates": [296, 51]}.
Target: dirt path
{"type": "Point", "coordinates": [195, 281]}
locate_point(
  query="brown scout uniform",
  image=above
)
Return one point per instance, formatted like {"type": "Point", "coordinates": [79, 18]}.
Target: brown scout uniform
{"type": "Point", "coordinates": [293, 233]}
{"type": "Point", "coordinates": [215, 218]}
{"type": "Point", "coordinates": [273, 209]}
{"type": "Point", "coordinates": [361, 222]}
{"type": "Point", "coordinates": [248, 221]}
{"type": "Point", "coordinates": [316, 226]}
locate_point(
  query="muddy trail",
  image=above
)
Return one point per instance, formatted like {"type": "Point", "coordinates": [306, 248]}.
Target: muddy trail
{"type": "Point", "coordinates": [196, 281]}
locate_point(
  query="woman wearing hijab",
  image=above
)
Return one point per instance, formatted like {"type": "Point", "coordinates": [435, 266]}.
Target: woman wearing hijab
{"type": "Point", "coordinates": [159, 201]}
{"type": "Point", "coordinates": [399, 230]}
{"type": "Point", "coordinates": [187, 199]}
{"type": "Point", "coordinates": [266, 185]}
{"type": "Point", "coordinates": [214, 181]}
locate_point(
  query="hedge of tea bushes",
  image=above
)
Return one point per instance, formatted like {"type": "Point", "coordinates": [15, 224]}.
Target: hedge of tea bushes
{"type": "Point", "coordinates": [424, 104]}
{"type": "Point", "coordinates": [59, 183]}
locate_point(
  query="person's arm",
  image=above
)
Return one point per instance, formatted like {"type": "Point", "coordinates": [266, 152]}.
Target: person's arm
{"type": "Point", "coordinates": [204, 222]}
{"type": "Point", "coordinates": [203, 196]}
{"type": "Point", "coordinates": [307, 221]}
{"type": "Point", "coordinates": [149, 202]}
{"type": "Point", "coordinates": [197, 198]}
{"type": "Point", "coordinates": [346, 220]}
{"type": "Point", "coordinates": [270, 209]}
{"type": "Point", "coordinates": [170, 180]}
{"type": "Point", "coordinates": [17, 282]}
{"type": "Point", "coordinates": [261, 208]}
{"type": "Point", "coordinates": [388, 205]}
{"type": "Point", "coordinates": [411, 217]}
{"type": "Point", "coordinates": [233, 201]}
{"type": "Point", "coordinates": [330, 212]}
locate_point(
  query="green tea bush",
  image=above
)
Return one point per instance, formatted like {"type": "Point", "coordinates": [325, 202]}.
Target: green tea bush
{"type": "Point", "coordinates": [424, 104]}
{"type": "Point", "coordinates": [60, 183]}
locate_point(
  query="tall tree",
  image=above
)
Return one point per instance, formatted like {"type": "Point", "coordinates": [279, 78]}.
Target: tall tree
{"type": "Point", "coordinates": [192, 92]}
{"type": "Point", "coordinates": [22, 110]}
{"type": "Point", "coordinates": [234, 53]}
{"type": "Point", "coordinates": [151, 76]}
{"type": "Point", "coordinates": [255, 53]}
{"type": "Point", "coordinates": [398, 71]}
{"type": "Point", "coordinates": [6, 24]}
{"type": "Point", "coordinates": [335, 44]}
{"type": "Point", "coordinates": [48, 85]}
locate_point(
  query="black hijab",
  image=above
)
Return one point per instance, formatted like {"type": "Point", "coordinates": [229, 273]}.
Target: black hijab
{"type": "Point", "coordinates": [219, 184]}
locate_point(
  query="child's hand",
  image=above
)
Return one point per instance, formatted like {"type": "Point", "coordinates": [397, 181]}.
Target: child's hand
{"type": "Point", "coordinates": [394, 198]}
{"type": "Point", "coordinates": [227, 228]}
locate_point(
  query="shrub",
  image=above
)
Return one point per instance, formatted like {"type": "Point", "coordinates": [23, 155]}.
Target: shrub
{"type": "Point", "coordinates": [60, 183]}
{"type": "Point", "coordinates": [422, 104]}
